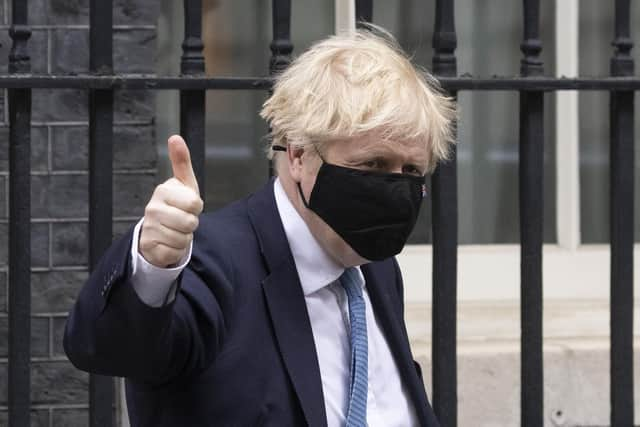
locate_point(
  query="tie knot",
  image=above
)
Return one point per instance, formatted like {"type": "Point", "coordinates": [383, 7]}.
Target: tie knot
{"type": "Point", "coordinates": [350, 280]}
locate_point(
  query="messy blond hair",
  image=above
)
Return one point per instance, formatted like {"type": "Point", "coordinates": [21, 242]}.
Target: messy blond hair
{"type": "Point", "coordinates": [354, 84]}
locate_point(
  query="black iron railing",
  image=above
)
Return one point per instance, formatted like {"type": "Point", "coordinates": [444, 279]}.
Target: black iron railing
{"type": "Point", "coordinates": [621, 208]}
{"type": "Point", "coordinates": [445, 241]}
{"type": "Point", "coordinates": [532, 85]}
{"type": "Point", "coordinates": [19, 224]}
{"type": "Point", "coordinates": [101, 390]}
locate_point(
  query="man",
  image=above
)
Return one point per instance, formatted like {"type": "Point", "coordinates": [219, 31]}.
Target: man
{"type": "Point", "coordinates": [286, 307]}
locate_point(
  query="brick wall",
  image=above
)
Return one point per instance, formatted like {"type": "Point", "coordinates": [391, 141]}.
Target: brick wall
{"type": "Point", "coordinates": [59, 44]}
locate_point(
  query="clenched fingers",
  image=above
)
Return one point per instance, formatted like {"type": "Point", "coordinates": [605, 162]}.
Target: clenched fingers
{"type": "Point", "coordinates": [171, 217]}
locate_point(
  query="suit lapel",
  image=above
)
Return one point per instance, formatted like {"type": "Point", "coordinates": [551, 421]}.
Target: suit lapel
{"type": "Point", "coordinates": [385, 301]}
{"type": "Point", "coordinates": [287, 307]}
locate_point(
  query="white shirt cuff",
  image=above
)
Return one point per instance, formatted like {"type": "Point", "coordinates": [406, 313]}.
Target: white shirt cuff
{"type": "Point", "coordinates": [155, 286]}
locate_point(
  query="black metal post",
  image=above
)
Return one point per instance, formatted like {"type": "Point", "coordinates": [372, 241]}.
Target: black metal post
{"type": "Point", "coordinates": [531, 220]}
{"type": "Point", "coordinates": [364, 11]}
{"type": "Point", "coordinates": [19, 386]}
{"type": "Point", "coordinates": [445, 241]}
{"type": "Point", "coordinates": [280, 46]}
{"type": "Point", "coordinates": [101, 388]}
{"type": "Point", "coordinates": [192, 102]}
{"type": "Point", "coordinates": [621, 226]}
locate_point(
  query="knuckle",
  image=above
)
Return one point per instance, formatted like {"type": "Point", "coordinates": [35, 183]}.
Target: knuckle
{"type": "Point", "coordinates": [160, 190]}
{"type": "Point", "coordinates": [192, 222]}
{"type": "Point", "coordinates": [150, 210]}
{"type": "Point", "coordinates": [194, 204]}
{"type": "Point", "coordinates": [173, 182]}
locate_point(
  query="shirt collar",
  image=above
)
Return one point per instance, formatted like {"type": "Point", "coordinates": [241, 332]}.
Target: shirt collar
{"type": "Point", "coordinates": [316, 269]}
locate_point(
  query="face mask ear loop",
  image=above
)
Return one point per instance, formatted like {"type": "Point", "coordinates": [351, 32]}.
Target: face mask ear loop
{"type": "Point", "coordinates": [304, 201]}
{"type": "Point", "coordinates": [306, 205]}
{"type": "Point", "coordinates": [315, 146]}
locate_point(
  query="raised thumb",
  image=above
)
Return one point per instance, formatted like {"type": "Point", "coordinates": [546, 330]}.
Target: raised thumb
{"type": "Point", "coordinates": [181, 162]}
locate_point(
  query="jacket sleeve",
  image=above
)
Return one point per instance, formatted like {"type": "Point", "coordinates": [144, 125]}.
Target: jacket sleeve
{"type": "Point", "coordinates": [110, 331]}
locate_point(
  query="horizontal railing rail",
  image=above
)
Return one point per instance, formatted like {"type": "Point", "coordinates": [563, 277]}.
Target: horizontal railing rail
{"type": "Point", "coordinates": [452, 84]}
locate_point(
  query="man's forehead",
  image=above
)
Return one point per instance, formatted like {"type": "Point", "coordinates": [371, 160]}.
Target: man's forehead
{"type": "Point", "coordinates": [372, 144]}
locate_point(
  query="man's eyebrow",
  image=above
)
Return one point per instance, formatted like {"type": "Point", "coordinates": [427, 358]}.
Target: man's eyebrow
{"type": "Point", "coordinates": [375, 150]}
{"type": "Point", "coordinates": [383, 152]}
{"type": "Point", "coordinates": [369, 155]}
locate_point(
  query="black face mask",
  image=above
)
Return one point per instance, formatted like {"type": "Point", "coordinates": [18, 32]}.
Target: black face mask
{"type": "Point", "coordinates": [373, 212]}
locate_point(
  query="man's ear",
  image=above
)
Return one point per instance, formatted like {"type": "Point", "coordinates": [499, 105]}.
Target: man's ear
{"type": "Point", "coordinates": [294, 157]}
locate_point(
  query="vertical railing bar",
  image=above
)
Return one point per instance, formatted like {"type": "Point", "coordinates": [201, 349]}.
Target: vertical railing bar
{"type": "Point", "coordinates": [281, 46]}
{"type": "Point", "coordinates": [445, 240]}
{"type": "Point", "coordinates": [101, 388]}
{"type": "Point", "coordinates": [531, 221]}
{"type": "Point", "coordinates": [192, 102]}
{"type": "Point", "coordinates": [621, 225]}
{"type": "Point", "coordinates": [19, 386]}
{"type": "Point", "coordinates": [364, 11]}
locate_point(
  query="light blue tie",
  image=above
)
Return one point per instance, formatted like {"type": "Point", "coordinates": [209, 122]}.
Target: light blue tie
{"type": "Point", "coordinates": [357, 412]}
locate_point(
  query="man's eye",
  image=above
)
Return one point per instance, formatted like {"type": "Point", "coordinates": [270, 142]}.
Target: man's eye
{"type": "Point", "coordinates": [412, 170]}
{"type": "Point", "coordinates": [373, 164]}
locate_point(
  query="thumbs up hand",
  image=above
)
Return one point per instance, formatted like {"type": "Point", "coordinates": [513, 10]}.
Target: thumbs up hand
{"type": "Point", "coordinates": [171, 216]}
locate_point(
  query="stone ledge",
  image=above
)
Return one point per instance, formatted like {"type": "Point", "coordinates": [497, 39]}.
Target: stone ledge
{"type": "Point", "coordinates": [576, 362]}
{"type": "Point", "coordinates": [500, 321]}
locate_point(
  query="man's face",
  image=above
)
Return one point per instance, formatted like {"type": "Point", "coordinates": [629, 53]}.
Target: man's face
{"type": "Point", "coordinates": [365, 153]}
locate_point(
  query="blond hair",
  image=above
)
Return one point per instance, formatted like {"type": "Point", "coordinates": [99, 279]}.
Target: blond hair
{"type": "Point", "coordinates": [354, 84]}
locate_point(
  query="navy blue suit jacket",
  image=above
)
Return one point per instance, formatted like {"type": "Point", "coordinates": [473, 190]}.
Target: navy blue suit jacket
{"type": "Point", "coordinates": [235, 347]}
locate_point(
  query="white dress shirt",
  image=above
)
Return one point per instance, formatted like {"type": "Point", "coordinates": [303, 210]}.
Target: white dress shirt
{"type": "Point", "coordinates": [388, 403]}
